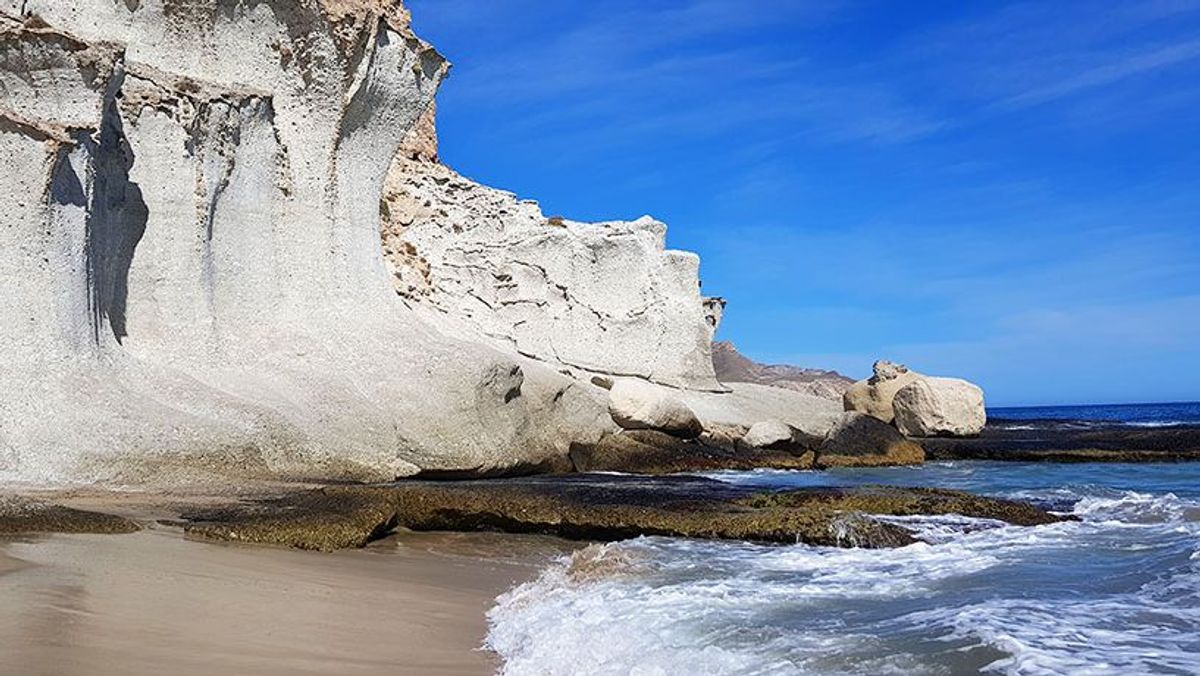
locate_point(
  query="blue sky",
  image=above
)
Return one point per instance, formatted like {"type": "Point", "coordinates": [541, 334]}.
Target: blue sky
{"type": "Point", "coordinates": [1006, 192]}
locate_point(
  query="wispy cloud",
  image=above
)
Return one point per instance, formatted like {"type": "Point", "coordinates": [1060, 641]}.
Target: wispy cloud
{"type": "Point", "coordinates": [1105, 74]}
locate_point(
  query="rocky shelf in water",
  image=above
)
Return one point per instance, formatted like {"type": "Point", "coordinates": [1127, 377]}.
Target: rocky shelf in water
{"type": "Point", "coordinates": [597, 507]}
{"type": "Point", "coordinates": [26, 516]}
{"type": "Point", "coordinates": [1069, 441]}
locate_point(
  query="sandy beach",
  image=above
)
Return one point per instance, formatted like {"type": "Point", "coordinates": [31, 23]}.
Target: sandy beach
{"type": "Point", "coordinates": [155, 602]}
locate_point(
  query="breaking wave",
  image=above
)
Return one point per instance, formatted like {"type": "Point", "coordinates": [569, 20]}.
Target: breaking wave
{"type": "Point", "coordinates": [1117, 591]}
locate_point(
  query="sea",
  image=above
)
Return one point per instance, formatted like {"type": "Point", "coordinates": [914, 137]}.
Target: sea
{"type": "Point", "coordinates": [1115, 592]}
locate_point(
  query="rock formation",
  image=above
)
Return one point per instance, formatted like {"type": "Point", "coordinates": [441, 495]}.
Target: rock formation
{"type": "Point", "coordinates": [600, 508]}
{"type": "Point", "coordinates": [931, 407]}
{"type": "Point", "coordinates": [588, 298]}
{"type": "Point", "coordinates": [639, 405]}
{"type": "Point", "coordinates": [768, 434]}
{"type": "Point", "coordinates": [195, 286]}
{"type": "Point", "coordinates": [732, 366]}
{"type": "Point", "coordinates": [860, 440]}
{"type": "Point", "coordinates": [874, 395]}
{"type": "Point", "coordinates": [189, 246]}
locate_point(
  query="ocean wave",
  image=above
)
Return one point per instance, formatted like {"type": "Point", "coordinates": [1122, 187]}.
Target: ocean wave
{"type": "Point", "coordinates": [1153, 630]}
{"type": "Point", "coordinates": [976, 594]}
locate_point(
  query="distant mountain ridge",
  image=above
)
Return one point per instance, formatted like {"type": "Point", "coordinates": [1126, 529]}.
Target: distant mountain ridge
{"type": "Point", "coordinates": [732, 366]}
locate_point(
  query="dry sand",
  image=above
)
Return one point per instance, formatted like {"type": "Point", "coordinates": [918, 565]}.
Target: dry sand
{"type": "Point", "coordinates": [156, 603]}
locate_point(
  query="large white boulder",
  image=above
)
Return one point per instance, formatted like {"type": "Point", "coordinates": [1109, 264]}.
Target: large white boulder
{"type": "Point", "coordinates": [639, 405]}
{"type": "Point", "coordinates": [928, 407]}
{"type": "Point", "coordinates": [874, 395]}
{"type": "Point", "coordinates": [768, 433]}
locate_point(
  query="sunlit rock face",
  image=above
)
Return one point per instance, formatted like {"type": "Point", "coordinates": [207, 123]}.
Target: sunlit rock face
{"type": "Point", "coordinates": [192, 276]}
{"type": "Point", "coordinates": [586, 298]}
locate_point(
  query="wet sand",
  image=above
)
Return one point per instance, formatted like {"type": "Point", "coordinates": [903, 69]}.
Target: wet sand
{"type": "Point", "coordinates": [156, 603]}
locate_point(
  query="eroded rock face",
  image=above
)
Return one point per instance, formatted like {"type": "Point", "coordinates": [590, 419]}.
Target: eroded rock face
{"type": "Point", "coordinates": [931, 407]}
{"type": "Point", "coordinates": [874, 395]}
{"type": "Point", "coordinates": [860, 440]}
{"type": "Point", "coordinates": [589, 298]}
{"type": "Point", "coordinates": [189, 198]}
{"type": "Point", "coordinates": [651, 452]}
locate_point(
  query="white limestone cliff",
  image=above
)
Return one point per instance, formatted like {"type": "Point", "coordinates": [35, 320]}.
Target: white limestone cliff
{"type": "Point", "coordinates": [194, 286]}
{"type": "Point", "coordinates": [587, 298]}
{"type": "Point", "coordinates": [192, 278]}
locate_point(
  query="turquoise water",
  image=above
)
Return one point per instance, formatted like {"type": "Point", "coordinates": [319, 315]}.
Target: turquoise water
{"type": "Point", "coordinates": [1116, 592]}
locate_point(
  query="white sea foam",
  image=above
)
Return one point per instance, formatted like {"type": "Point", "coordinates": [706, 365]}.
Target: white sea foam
{"type": "Point", "coordinates": [977, 594]}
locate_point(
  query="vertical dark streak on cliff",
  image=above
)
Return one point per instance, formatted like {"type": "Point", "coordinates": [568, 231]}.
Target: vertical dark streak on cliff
{"type": "Point", "coordinates": [116, 223]}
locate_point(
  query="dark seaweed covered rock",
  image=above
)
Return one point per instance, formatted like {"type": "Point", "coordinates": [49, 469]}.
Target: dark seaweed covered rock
{"type": "Point", "coordinates": [653, 452]}
{"type": "Point", "coordinates": [1071, 441]}
{"type": "Point", "coordinates": [860, 440]}
{"type": "Point", "coordinates": [325, 519]}
{"type": "Point", "coordinates": [598, 507]}
{"type": "Point", "coordinates": [22, 516]}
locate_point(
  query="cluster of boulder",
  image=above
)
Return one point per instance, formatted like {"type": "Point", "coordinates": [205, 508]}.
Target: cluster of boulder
{"type": "Point", "coordinates": [919, 405]}
{"type": "Point", "coordinates": [754, 426]}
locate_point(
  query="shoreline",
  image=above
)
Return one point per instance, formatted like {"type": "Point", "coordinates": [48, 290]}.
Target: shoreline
{"type": "Point", "coordinates": [155, 602]}
{"type": "Point", "coordinates": [161, 601]}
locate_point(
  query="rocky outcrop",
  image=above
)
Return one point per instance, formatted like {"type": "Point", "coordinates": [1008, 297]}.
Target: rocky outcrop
{"type": "Point", "coordinates": [638, 405]}
{"type": "Point", "coordinates": [194, 287]}
{"type": "Point", "coordinates": [930, 406]}
{"type": "Point", "coordinates": [600, 508]}
{"type": "Point", "coordinates": [768, 434]}
{"type": "Point", "coordinates": [732, 366]}
{"type": "Point", "coordinates": [746, 404]}
{"type": "Point", "coordinates": [934, 407]}
{"type": "Point", "coordinates": [860, 440]}
{"type": "Point", "coordinates": [587, 298]}
{"type": "Point", "coordinates": [26, 516]}
{"type": "Point", "coordinates": [652, 452]}
{"type": "Point", "coordinates": [874, 395]}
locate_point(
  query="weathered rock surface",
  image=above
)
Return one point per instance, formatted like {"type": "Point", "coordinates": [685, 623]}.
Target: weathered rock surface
{"type": "Point", "coordinates": [600, 508]}
{"type": "Point", "coordinates": [746, 404]}
{"type": "Point", "coordinates": [732, 366]}
{"type": "Point", "coordinates": [932, 407]}
{"type": "Point", "coordinates": [24, 516]}
{"type": "Point", "coordinates": [194, 287]}
{"type": "Point", "coordinates": [768, 434]}
{"type": "Point", "coordinates": [651, 452]}
{"type": "Point", "coordinates": [874, 395]}
{"type": "Point", "coordinates": [638, 405]}
{"type": "Point", "coordinates": [190, 198]}
{"type": "Point", "coordinates": [860, 440]}
{"type": "Point", "coordinates": [1059, 441]}
{"type": "Point", "coordinates": [606, 298]}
